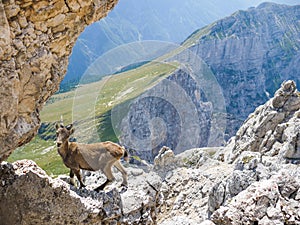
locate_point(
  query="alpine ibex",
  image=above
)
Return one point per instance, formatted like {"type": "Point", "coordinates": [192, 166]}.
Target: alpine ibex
{"type": "Point", "coordinates": [98, 156]}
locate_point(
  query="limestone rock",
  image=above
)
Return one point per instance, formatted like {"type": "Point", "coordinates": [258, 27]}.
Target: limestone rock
{"type": "Point", "coordinates": [250, 55]}
{"type": "Point", "coordinates": [186, 188]}
{"type": "Point", "coordinates": [252, 190]}
{"type": "Point", "coordinates": [273, 128]}
{"type": "Point", "coordinates": [261, 153]}
{"type": "Point", "coordinates": [253, 180]}
{"type": "Point", "coordinates": [225, 190]}
{"type": "Point", "coordinates": [36, 39]}
{"type": "Point", "coordinates": [140, 200]}
{"type": "Point", "coordinates": [29, 196]}
{"type": "Point", "coordinates": [165, 158]}
{"type": "Point", "coordinates": [165, 115]}
{"type": "Point", "coordinates": [266, 202]}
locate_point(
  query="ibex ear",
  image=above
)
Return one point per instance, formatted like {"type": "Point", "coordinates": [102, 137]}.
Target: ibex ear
{"type": "Point", "coordinates": [56, 126]}
{"type": "Point", "coordinates": [69, 126]}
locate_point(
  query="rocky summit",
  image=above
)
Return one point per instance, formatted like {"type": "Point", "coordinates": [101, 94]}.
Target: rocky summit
{"type": "Point", "coordinates": [272, 129]}
{"type": "Point", "coordinates": [254, 179]}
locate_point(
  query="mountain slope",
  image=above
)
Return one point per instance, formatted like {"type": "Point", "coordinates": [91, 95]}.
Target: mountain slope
{"type": "Point", "coordinates": [251, 53]}
{"type": "Point", "coordinates": [168, 20]}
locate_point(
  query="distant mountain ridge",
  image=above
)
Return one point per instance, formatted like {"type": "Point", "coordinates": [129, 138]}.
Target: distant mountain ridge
{"type": "Point", "coordinates": [168, 20]}
{"type": "Point", "coordinates": [250, 54]}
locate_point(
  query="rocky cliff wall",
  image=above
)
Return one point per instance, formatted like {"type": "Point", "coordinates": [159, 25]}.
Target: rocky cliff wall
{"type": "Point", "coordinates": [255, 179]}
{"type": "Point", "coordinates": [251, 52]}
{"type": "Point", "coordinates": [36, 38]}
{"type": "Point", "coordinates": [173, 113]}
{"type": "Point", "coordinates": [272, 129]}
{"type": "Point", "coordinates": [265, 156]}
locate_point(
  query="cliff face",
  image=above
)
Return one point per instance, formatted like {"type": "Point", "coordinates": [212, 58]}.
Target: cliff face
{"type": "Point", "coordinates": [36, 39]}
{"type": "Point", "coordinates": [173, 113]}
{"type": "Point", "coordinates": [265, 154]}
{"type": "Point", "coordinates": [250, 53]}
{"type": "Point", "coordinates": [255, 179]}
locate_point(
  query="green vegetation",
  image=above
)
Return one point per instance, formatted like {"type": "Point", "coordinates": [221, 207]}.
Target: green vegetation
{"type": "Point", "coordinates": [44, 153]}
{"type": "Point", "coordinates": [57, 105]}
{"type": "Point", "coordinates": [99, 97]}
{"type": "Point", "coordinates": [247, 159]}
{"type": "Point", "coordinates": [195, 36]}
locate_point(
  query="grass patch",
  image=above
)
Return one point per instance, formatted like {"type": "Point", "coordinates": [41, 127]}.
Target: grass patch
{"type": "Point", "coordinates": [247, 159]}
{"type": "Point", "coordinates": [44, 153]}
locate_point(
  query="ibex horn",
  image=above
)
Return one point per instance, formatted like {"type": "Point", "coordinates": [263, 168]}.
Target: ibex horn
{"type": "Point", "coordinates": [61, 121]}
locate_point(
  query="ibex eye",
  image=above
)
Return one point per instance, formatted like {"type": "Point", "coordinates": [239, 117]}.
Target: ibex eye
{"type": "Point", "coordinates": [56, 133]}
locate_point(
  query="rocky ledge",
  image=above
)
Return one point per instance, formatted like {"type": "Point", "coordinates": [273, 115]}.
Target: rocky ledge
{"type": "Point", "coordinates": [255, 179]}
{"type": "Point", "coordinates": [29, 196]}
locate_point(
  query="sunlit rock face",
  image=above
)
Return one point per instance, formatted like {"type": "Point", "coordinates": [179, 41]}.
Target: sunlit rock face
{"type": "Point", "coordinates": [250, 53]}
{"type": "Point", "coordinates": [265, 156]}
{"type": "Point", "coordinates": [36, 39]}
{"type": "Point", "coordinates": [272, 129]}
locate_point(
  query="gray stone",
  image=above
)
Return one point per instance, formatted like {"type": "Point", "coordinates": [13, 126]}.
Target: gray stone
{"type": "Point", "coordinates": [267, 202]}
{"type": "Point", "coordinates": [246, 55]}
{"type": "Point", "coordinates": [29, 196]}
{"type": "Point", "coordinates": [270, 130]}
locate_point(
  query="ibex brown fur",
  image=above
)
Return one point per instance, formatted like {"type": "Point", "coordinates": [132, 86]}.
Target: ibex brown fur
{"type": "Point", "coordinates": [98, 156]}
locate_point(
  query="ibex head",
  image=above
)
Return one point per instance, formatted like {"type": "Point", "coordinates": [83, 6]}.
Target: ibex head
{"type": "Point", "coordinates": [63, 133]}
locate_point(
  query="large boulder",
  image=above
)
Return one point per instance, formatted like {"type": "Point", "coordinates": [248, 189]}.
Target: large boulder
{"type": "Point", "coordinates": [272, 201]}
{"type": "Point", "coordinates": [36, 39]}
{"type": "Point", "coordinates": [29, 196]}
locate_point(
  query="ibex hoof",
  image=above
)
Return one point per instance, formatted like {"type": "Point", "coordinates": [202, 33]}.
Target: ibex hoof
{"type": "Point", "coordinates": [82, 186]}
{"type": "Point", "coordinates": [123, 188]}
{"type": "Point", "coordinates": [98, 189]}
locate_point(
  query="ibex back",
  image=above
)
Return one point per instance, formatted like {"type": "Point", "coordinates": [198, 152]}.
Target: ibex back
{"type": "Point", "coordinates": [98, 156]}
